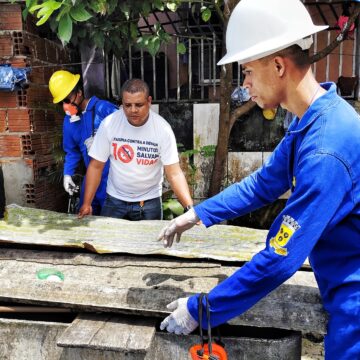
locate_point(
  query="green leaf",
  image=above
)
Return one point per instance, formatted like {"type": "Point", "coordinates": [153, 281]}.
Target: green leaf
{"type": "Point", "coordinates": [172, 6]}
{"type": "Point", "coordinates": [133, 30]}
{"type": "Point", "coordinates": [99, 39]}
{"type": "Point", "coordinates": [54, 5]}
{"type": "Point", "coordinates": [44, 11]}
{"type": "Point", "coordinates": [181, 48]}
{"type": "Point", "coordinates": [175, 207]}
{"type": "Point", "coordinates": [29, 3]}
{"type": "Point", "coordinates": [206, 14]}
{"type": "Point", "coordinates": [35, 7]}
{"type": "Point", "coordinates": [146, 8]}
{"type": "Point", "coordinates": [78, 13]}
{"type": "Point", "coordinates": [154, 46]}
{"type": "Point", "coordinates": [25, 13]}
{"type": "Point", "coordinates": [125, 10]}
{"type": "Point", "coordinates": [44, 19]}
{"type": "Point", "coordinates": [159, 5]}
{"type": "Point", "coordinates": [65, 29]}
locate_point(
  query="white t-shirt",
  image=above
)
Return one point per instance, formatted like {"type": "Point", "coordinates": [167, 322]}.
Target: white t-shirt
{"type": "Point", "coordinates": [137, 155]}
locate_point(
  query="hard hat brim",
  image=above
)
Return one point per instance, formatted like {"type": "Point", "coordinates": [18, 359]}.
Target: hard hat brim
{"type": "Point", "coordinates": [71, 86]}
{"type": "Point", "coordinates": [265, 48]}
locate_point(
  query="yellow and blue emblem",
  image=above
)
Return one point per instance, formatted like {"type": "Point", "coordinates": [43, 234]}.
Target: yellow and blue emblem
{"type": "Point", "coordinates": [286, 231]}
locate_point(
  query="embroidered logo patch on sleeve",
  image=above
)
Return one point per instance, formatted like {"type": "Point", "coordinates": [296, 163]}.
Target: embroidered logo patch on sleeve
{"type": "Point", "coordinates": [287, 229]}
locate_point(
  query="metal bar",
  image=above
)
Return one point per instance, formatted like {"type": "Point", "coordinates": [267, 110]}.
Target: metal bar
{"type": "Point", "coordinates": [214, 64]}
{"type": "Point", "coordinates": [322, 2]}
{"type": "Point", "coordinates": [154, 77]}
{"type": "Point", "coordinates": [177, 71]}
{"type": "Point", "coordinates": [166, 73]}
{"type": "Point", "coordinates": [107, 75]}
{"type": "Point", "coordinates": [315, 51]}
{"type": "Point", "coordinates": [355, 44]}
{"type": "Point", "coordinates": [328, 57]}
{"type": "Point", "coordinates": [190, 68]}
{"type": "Point", "coordinates": [130, 63]}
{"type": "Point", "coordinates": [321, 14]}
{"type": "Point", "coordinates": [357, 58]}
{"type": "Point", "coordinates": [340, 58]}
{"type": "Point", "coordinates": [202, 68]}
{"type": "Point", "coordinates": [336, 16]}
{"type": "Point", "coordinates": [142, 63]}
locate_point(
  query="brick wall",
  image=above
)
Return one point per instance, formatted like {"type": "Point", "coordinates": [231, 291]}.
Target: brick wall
{"type": "Point", "coordinates": [29, 123]}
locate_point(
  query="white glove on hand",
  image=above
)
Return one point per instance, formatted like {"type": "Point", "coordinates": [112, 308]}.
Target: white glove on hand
{"type": "Point", "coordinates": [178, 226]}
{"type": "Point", "coordinates": [179, 321]}
{"type": "Point", "coordinates": [69, 185]}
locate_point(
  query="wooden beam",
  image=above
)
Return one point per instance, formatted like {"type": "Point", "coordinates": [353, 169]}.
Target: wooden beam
{"type": "Point", "coordinates": [144, 286]}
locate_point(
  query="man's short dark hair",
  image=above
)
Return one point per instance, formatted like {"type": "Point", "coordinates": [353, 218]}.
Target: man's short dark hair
{"type": "Point", "coordinates": [298, 56]}
{"type": "Point", "coordinates": [134, 86]}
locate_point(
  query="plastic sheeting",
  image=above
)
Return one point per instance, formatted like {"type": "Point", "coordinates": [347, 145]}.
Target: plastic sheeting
{"type": "Point", "coordinates": [12, 78]}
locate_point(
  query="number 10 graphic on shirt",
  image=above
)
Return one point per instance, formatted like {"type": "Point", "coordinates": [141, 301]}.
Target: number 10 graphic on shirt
{"type": "Point", "coordinates": [124, 153]}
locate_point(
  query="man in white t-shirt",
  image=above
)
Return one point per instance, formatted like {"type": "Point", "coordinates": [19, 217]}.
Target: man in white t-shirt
{"type": "Point", "coordinates": [141, 146]}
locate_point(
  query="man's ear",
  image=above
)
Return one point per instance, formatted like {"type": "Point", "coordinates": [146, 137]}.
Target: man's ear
{"type": "Point", "coordinates": [280, 65]}
{"type": "Point", "coordinates": [149, 99]}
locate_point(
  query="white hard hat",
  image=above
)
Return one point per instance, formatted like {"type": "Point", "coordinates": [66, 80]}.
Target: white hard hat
{"type": "Point", "coordinates": [258, 28]}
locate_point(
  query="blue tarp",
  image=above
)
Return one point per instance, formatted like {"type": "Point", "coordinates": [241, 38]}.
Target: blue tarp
{"type": "Point", "coordinates": [12, 78]}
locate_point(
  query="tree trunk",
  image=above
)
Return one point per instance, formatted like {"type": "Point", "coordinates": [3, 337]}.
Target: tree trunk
{"type": "Point", "coordinates": [226, 76]}
{"type": "Point", "coordinates": [227, 119]}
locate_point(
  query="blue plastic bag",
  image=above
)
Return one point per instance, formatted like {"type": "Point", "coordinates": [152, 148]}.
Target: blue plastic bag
{"type": "Point", "coordinates": [240, 95]}
{"type": "Point", "coordinates": [12, 78]}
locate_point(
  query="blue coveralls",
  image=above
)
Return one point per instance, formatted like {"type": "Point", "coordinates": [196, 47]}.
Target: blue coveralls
{"type": "Point", "coordinates": [319, 160]}
{"type": "Point", "coordinates": [74, 135]}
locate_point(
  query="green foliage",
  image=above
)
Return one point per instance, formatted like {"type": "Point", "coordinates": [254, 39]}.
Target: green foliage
{"type": "Point", "coordinates": [181, 48]}
{"type": "Point", "coordinates": [205, 13]}
{"type": "Point", "coordinates": [206, 151]}
{"type": "Point", "coordinates": [109, 24]}
{"type": "Point", "coordinates": [171, 209]}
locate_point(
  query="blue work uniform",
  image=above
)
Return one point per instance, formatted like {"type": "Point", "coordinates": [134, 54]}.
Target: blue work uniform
{"type": "Point", "coordinates": [74, 135]}
{"type": "Point", "coordinates": [319, 160]}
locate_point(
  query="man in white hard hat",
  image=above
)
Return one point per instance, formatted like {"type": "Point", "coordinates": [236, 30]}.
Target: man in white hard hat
{"type": "Point", "coordinates": [318, 160]}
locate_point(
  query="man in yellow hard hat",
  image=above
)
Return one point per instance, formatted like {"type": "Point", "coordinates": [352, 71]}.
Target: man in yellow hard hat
{"type": "Point", "coordinates": [318, 161]}
{"type": "Point", "coordinates": [82, 119]}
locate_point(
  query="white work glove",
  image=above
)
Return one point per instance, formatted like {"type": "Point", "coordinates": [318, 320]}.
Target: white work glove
{"type": "Point", "coordinates": [69, 185]}
{"type": "Point", "coordinates": [179, 321]}
{"type": "Point", "coordinates": [178, 226]}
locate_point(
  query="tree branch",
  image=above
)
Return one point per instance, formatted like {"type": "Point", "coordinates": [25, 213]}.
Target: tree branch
{"type": "Point", "coordinates": [340, 38]}
{"type": "Point", "coordinates": [243, 109]}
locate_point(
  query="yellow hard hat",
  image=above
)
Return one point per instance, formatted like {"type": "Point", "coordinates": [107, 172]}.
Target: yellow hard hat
{"type": "Point", "coordinates": [61, 84]}
{"type": "Point", "coordinates": [269, 114]}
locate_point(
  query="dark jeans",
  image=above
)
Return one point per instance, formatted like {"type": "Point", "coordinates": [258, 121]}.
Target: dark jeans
{"type": "Point", "coordinates": [150, 210]}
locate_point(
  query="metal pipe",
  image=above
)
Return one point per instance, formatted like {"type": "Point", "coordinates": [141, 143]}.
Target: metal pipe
{"type": "Point", "coordinates": [142, 63]}
{"type": "Point", "coordinates": [154, 77]}
{"type": "Point", "coordinates": [190, 69]}
{"type": "Point", "coordinates": [130, 62]}
{"type": "Point", "coordinates": [202, 68]}
{"type": "Point", "coordinates": [166, 73]}
{"type": "Point", "coordinates": [328, 58]}
{"type": "Point", "coordinates": [214, 65]}
{"type": "Point", "coordinates": [340, 59]}
{"type": "Point", "coordinates": [177, 71]}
